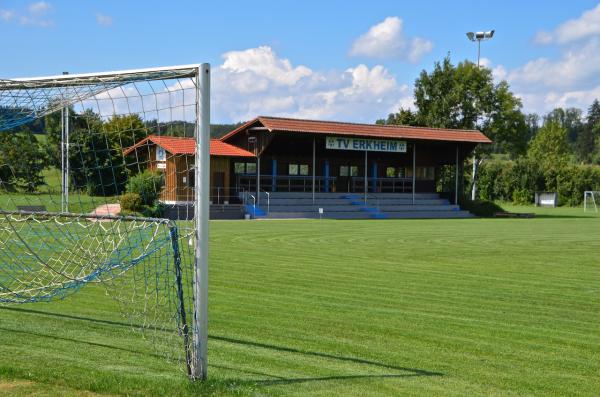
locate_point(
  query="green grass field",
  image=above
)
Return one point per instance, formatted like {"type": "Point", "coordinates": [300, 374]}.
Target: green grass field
{"type": "Point", "coordinates": [351, 308]}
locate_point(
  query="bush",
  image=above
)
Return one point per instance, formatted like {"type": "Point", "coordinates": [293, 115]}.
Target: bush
{"type": "Point", "coordinates": [517, 181]}
{"type": "Point", "coordinates": [147, 185]}
{"type": "Point", "coordinates": [522, 196]}
{"type": "Point", "coordinates": [130, 202]}
{"type": "Point", "coordinates": [484, 208]}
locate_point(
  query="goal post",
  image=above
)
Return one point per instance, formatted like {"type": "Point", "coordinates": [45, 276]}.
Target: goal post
{"type": "Point", "coordinates": [590, 200]}
{"type": "Point", "coordinates": [89, 169]}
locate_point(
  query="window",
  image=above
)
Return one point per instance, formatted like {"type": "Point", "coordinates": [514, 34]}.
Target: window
{"type": "Point", "coordinates": [343, 170]}
{"type": "Point", "coordinates": [304, 169]}
{"type": "Point", "coordinates": [401, 172]}
{"type": "Point", "coordinates": [191, 180]}
{"type": "Point", "coordinates": [250, 168]}
{"type": "Point", "coordinates": [161, 154]}
{"type": "Point", "coordinates": [354, 170]}
{"type": "Point", "coordinates": [390, 172]}
{"type": "Point", "coordinates": [239, 168]}
{"type": "Point", "coordinates": [425, 173]}
{"type": "Point", "coordinates": [293, 169]}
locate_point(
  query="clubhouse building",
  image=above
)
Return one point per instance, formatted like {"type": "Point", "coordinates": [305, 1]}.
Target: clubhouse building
{"type": "Point", "coordinates": [309, 161]}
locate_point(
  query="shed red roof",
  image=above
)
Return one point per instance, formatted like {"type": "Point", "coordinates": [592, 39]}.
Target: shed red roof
{"type": "Point", "coordinates": [277, 124]}
{"type": "Point", "coordinates": [179, 145]}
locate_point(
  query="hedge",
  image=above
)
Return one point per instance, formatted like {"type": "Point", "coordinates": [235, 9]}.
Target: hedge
{"type": "Point", "coordinates": [517, 181]}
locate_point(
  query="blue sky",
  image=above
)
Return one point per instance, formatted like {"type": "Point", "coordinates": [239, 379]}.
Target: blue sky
{"type": "Point", "coordinates": [346, 60]}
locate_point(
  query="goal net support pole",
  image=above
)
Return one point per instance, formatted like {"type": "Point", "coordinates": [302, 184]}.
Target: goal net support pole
{"type": "Point", "coordinates": [202, 175]}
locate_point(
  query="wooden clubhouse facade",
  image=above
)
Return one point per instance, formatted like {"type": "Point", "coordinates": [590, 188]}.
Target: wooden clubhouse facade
{"type": "Point", "coordinates": [270, 154]}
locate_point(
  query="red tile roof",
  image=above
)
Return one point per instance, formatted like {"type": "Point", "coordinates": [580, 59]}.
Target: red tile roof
{"type": "Point", "coordinates": [277, 124]}
{"type": "Point", "coordinates": [179, 145]}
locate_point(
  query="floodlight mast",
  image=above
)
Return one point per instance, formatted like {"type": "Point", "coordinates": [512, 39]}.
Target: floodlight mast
{"type": "Point", "coordinates": [478, 37]}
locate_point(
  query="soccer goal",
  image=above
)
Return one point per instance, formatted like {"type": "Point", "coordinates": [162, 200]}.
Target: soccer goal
{"type": "Point", "coordinates": [590, 198]}
{"type": "Point", "coordinates": [84, 203]}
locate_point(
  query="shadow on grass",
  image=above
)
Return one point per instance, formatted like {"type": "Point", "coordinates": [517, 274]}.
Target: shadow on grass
{"type": "Point", "coordinates": [79, 341]}
{"type": "Point", "coordinates": [274, 379]}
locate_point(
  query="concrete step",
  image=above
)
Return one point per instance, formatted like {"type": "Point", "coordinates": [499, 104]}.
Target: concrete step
{"type": "Point", "coordinates": [351, 208]}
{"type": "Point", "coordinates": [347, 195]}
{"type": "Point", "coordinates": [336, 201]}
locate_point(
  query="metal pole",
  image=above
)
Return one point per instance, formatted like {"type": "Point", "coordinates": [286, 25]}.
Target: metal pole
{"type": "Point", "coordinates": [478, 51]}
{"type": "Point", "coordinates": [62, 159]}
{"type": "Point", "coordinates": [257, 180]}
{"type": "Point", "coordinates": [414, 172]}
{"type": "Point", "coordinates": [456, 179]}
{"type": "Point", "coordinates": [366, 178]}
{"type": "Point", "coordinates": [66, 183]}
{"type": "Point", "coordinates": [202, 161]}
{"type": "Point", "coordinates": [314, 163]}
{"type": "Point", "coordinates": [474, 188]}
{"type": "Point", "coordinates": [64, 153]}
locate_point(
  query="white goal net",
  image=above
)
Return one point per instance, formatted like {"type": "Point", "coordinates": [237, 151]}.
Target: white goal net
{"type": "Point", "coordinates": [84, 193]}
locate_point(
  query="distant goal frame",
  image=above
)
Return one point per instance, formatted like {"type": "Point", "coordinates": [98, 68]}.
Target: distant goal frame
{"type": "Point", "coordinates": [593, 194]}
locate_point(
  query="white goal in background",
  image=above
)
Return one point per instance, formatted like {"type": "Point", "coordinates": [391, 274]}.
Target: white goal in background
{"type": "Point", "coordinates": [590, 199]}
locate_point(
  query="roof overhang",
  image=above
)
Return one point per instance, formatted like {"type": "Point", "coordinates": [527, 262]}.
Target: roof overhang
{"type": "Point", "coordinates": [286, 125]}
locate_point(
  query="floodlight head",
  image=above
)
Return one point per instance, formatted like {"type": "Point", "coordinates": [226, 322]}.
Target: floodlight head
{"type": "Point", "coordinates": [471, 36]}
{"type": "Point", "coordinates": [480, 35]}
{"type": "Point", "coordinates": [489, 34]}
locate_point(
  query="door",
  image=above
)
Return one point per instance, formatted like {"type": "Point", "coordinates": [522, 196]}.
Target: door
{"type": "Point", "coordinates": [218, 188]}
{"type": "Point", "coordinates": [347, 174]}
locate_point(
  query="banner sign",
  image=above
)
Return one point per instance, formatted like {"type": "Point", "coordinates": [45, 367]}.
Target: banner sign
{"type": "Point", "coordinates": [370, 145]}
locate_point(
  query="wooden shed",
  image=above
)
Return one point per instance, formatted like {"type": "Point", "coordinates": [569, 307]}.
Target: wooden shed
{"type": "Point", "coordinates": [174, 156]}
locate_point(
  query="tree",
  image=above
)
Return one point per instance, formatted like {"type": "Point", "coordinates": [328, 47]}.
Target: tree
{"type": "Point", "coordinates": [550, 147]}
{"type": "Point", "coordinates": [570, 119]}
{"type": "Point", "coordinates": [125, 131]}
{"type": "Point", "coordinates": [403, 117]}
{"type": "Point", "coordinates": [465, 96]}
{"type": "Point", "coordinates": [98, 166]}
{"type": "Point", "coordinates": [532, 121]}
{"type": "Point", "coordinates": [53, 131]}
{"type": "Point", "coordinates": [587, 141]}
{"type": "Point", "coordinates": [22, 160]}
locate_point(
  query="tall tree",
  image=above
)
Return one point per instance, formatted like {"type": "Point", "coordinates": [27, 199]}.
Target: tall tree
{"type": "Point", "coordinates": [465, 96]}
{"type": "Point", "coordinates": [570, 119]}
{"type": "Point", "coordinates": [586, 146]}
{"type": "Point", "coordinates": [403, 117]}
{"type": "Point", "coordinates": [550, 148]}
{"type": "Point", "coordinates": [22, 160]}
{"type": "Point", "coordinates": [532, 121]}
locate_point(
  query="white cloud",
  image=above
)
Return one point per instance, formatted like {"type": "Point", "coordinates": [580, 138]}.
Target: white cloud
{"type": "Point", "coordinates": [104, 20]}
{"type": "Point", "coordinates": [35, 14]}
{"type": "Point", "coordinates": [571, 79]}
{"type": "Point", "coordinates": [386, 40]}
{"type": "Point", "coordinates": [39, 8]}
{"type": "Point", "coordinates": [6, 15]}
{"type": "Point", "coordinates": [577, 68]}
{"type": "Point", "coordinates": [262, 63]}
{"type": "Point", "coordinates": [587, 25]}
{"type": "Point", "coordinates": [256, 81]}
